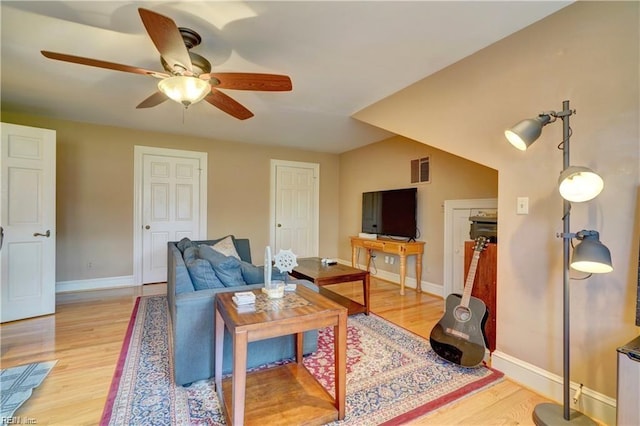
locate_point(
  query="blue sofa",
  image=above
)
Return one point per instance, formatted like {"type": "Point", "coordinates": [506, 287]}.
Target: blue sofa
{"type": "Point", "coordinates": [192, 320]}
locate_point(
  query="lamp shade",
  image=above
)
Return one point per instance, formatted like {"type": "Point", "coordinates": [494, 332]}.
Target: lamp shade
{"type": "Point", "coordinates": [590, 255]}
{"type": "Point", "coordinates": [577, 184]}
{"type": "Point", "coordinates": [186, 90]}
{"type": "Point", "coordinates": [527, 131]}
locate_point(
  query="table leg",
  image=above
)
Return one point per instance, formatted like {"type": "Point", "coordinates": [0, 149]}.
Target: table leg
{"type": "Point", "coordinates": [365, 283]}
{"type": "Point", "coordinates": [219, 336]}
{"type": "Point", "coordinates": [403, 271]}
{"type": "Point", "coordinates": [239, 377]}
{"type": "Point", "coordinates": [299, 344]}
{"type": "Point", "coordinates": [340, 355]}
{"type": "Point", "coordinates": [354, 256]}
{"type": "Point", "coordinates": [419, 272]}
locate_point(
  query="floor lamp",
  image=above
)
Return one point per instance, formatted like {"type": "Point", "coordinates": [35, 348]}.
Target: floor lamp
{"type": "Point", "coordinates": [576, 184]}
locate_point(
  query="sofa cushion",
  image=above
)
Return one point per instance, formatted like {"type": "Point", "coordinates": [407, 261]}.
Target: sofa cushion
{"type": "Point", "coordinates": [226, 246]}
{"type": "Point", "coordinates": [182, 280]}
{"type": "Point", "coordinates": [227, 268]}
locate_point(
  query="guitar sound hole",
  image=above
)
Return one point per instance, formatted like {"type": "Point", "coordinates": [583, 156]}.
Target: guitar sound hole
{"type": "Point", "coordinates": [462, 313]}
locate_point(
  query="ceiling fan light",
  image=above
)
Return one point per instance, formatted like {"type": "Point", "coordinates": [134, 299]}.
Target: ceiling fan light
{"type": "Point", "coordinates": [186, 90]}
{"type": "Point", "coordinates": [578, 184]}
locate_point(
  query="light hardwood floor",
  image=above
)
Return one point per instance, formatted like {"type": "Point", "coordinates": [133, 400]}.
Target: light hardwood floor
{"type": "Point", "coordinates": [86, 334]}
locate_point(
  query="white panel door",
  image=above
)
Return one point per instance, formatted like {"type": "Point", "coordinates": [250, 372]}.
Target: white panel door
{"type": "Point", "coordinates": [27, 220]}
{"type": "Point", "coordinates": [461, 228]}
{"type": "Point", "coordinates": [296, 208]}
{"type": "Point", "coordinates": [170, 209]}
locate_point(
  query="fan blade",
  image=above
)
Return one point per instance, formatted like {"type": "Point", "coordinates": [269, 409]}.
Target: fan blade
{"type": "Point", "coordinates": [165, 35]}
{"type": "Point", "coordinates": [228, 105]}
{"type": "Point", "coordinates": [101, 64]}
{"type": "Point", "coordinates": [156, 99]}
{"type": "Point", "coordinates": [250, 81]}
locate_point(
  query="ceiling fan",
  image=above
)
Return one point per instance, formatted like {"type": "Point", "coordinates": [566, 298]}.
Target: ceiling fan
{"type": "Point", "coordinates": [187, 78]}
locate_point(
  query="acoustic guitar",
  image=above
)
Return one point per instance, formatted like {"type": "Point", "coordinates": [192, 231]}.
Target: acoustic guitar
{"type": "Point", "coordinates": [459, 336]}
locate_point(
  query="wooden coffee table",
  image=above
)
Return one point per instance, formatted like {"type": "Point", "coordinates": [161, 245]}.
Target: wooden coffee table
{"type": "Point", "coordinates": [312, 269]}
{"type": "Point", "coordinates": [286, 394]}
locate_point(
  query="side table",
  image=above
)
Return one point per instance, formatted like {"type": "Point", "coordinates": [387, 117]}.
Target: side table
{"type": "Point", "coordinates": [266, 392]}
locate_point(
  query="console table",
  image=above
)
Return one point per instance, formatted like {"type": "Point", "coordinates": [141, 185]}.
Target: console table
{"type": "Point", "coordinates": [390, 246]}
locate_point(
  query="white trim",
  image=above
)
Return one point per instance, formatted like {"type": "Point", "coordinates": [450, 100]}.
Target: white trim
{"type": "Point", "coordinates": [138, 158]}
{"type": "Point", "coordinates": [449, 207]}
{"type": "Point", "coordinates": [410, 282]}
{"type": "Point", "coordinates": [592, 403]}
{"type": "Point", "coordinates": [272, 199]}
{"type": "Point", "coordinates": [95, 284]}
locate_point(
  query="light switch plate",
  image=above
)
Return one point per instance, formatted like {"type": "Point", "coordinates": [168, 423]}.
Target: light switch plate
{"type": "Point", "coordinates": [522, 205]}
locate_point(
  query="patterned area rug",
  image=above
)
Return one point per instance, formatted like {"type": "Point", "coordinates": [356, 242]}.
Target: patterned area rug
{"type": "Point", "coordinates": [393, 376]}
{"type": "Point", "coordinates": [17, 384]}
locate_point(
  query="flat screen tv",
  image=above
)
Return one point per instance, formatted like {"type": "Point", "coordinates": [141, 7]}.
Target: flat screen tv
{"type": "Point", "coordinates": [390, 213]}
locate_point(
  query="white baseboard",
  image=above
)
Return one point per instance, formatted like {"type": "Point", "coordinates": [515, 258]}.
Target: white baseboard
{"type": "Point", "coordinates": [95, 284]}
{"type": "Point", "coordinates": [592, 403]}
{"type": "Point", "coordinates": [410, 282]}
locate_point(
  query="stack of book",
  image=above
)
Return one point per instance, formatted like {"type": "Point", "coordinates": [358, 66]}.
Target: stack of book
{"type": "Point", "coordinates": [244, 300]}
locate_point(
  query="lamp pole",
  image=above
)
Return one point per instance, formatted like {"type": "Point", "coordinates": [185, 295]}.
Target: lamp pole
{"type": "Point", "coordinates": [549, 414]}
{"type": "Point", "coordinates": [566, 230]}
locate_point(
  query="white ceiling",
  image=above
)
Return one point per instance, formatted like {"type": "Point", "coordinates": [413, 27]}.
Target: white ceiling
{"type": "Point", "coordinates": [341, 56]}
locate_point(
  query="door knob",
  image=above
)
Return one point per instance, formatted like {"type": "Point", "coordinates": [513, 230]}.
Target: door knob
{"type": "Point", "coordinates": [279, 225]}
{"type": "Point", "coordinates": [46, 234]}
{"type": "Point", "coordinates": [147, 227]}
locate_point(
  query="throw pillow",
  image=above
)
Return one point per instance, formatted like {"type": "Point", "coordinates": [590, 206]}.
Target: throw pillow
{"type": "Point", "coordinates": [190, 253]}
{"type": "Point", "coordinates": [255, 274]}
{"type": "Point", "coordinates": [252, 274]}
{"type": "Point", "coordinates": [202, 275]}
{"type": "Point", "coordinates": [184, 243]}
{"type": "Point", "coordinates": [226, 247]}
{"type": "Point", "coordinates": [227, 268]}
{"type": "Point", "coordinates": [277, 275]}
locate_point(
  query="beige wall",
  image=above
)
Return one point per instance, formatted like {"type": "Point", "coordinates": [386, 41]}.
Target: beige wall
{"type": "Point", "coordinates": [386, 165]}
{"type": "Point", "coordinates": [95, 193]}
{"type": "Point", "coordinates": [587, 53]}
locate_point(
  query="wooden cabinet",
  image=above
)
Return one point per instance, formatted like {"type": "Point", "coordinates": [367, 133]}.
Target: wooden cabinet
{"type": "Point", "coordinates": [484, 287]}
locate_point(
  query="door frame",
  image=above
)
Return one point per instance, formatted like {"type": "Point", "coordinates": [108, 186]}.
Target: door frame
{"type": "Point", "coordinates": [139, 152]}
{"type": "Point", "coordinates": [449, 207]}
{"type": "Point", "coordinates": [273, 197]}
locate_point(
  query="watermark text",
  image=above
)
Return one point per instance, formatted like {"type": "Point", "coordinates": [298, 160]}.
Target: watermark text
{"type": "Point", "coordinates": [18, 420]}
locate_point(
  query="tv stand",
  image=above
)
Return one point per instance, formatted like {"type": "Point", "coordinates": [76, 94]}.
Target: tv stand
{"type": "Point", "coordinates": [390, 246]}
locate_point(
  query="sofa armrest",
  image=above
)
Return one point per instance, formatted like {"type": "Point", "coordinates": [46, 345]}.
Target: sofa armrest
{"type": "Point", "coordinates": [193, 330]}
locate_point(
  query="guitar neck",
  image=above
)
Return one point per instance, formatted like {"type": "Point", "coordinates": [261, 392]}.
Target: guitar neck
{"type": "Point", "coordinates": [471, 277]}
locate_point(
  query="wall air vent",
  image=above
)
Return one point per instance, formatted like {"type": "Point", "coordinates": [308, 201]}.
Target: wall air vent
{"type": "Point", "coordinates": [420, 170]}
